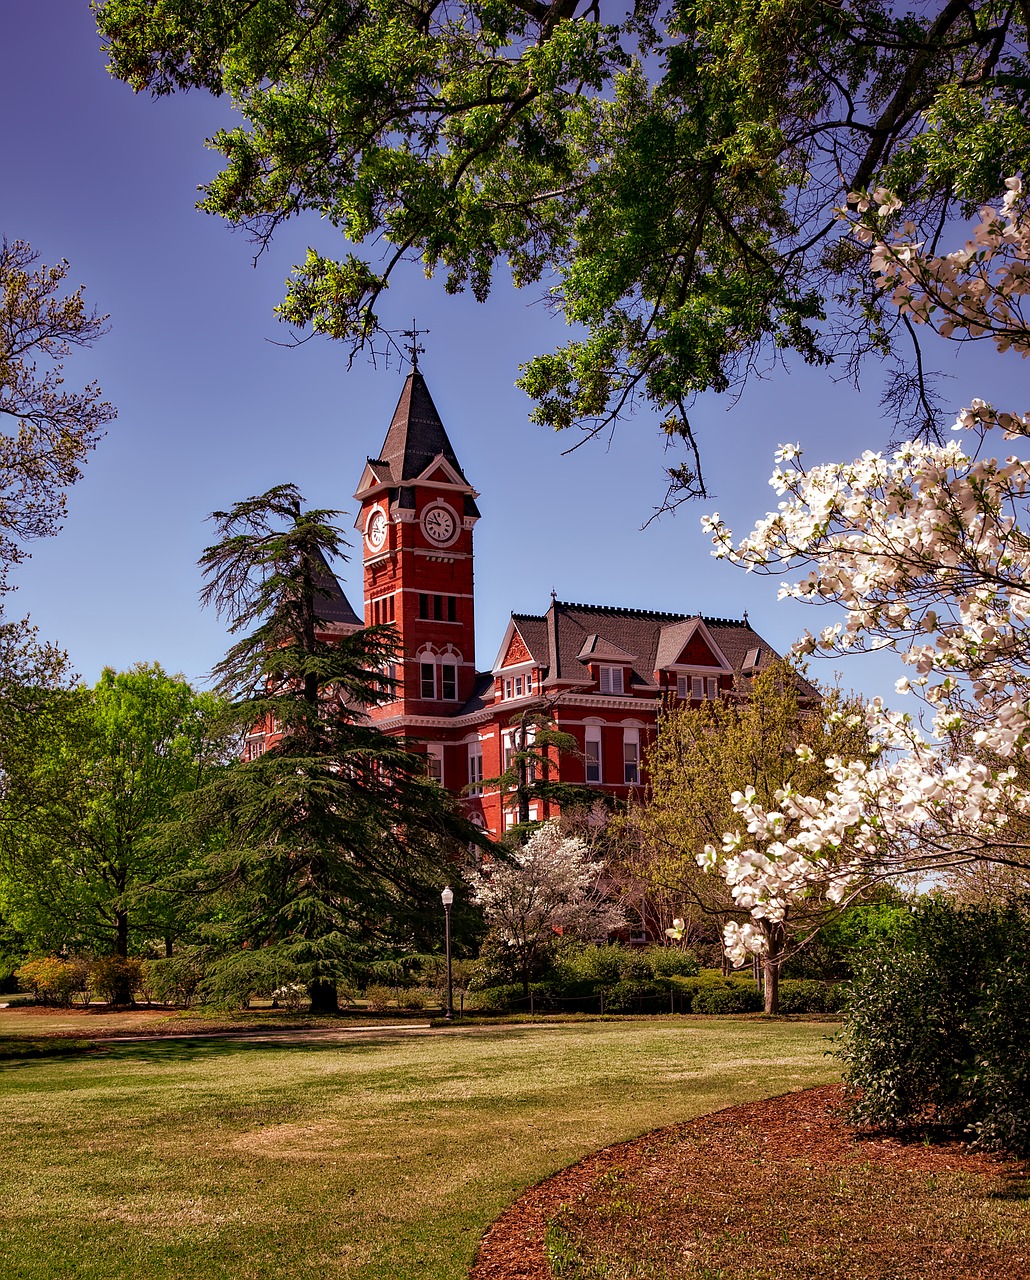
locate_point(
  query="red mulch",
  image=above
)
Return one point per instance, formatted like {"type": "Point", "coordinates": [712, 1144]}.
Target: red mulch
{"type": "Point", "coordinates": [790, 1138]}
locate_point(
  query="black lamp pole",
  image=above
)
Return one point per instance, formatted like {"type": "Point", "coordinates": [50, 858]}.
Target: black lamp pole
{"type": "Point", "coordinates": [448, 897]}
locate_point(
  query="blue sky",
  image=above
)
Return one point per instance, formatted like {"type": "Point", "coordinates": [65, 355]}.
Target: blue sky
{"type": "Point", "coordinates": [212, 410]}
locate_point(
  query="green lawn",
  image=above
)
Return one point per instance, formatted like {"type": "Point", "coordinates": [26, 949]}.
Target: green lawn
{"type": "Point", "coordinates": [379, 1158]}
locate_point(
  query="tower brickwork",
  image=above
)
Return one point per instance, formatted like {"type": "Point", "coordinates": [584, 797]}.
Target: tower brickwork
{"type": "Point", "coordinates": [416, 518]}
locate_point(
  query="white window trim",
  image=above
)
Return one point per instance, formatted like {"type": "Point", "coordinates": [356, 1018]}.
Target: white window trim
{"type": "Point", "coordinates": [593, 736]}
{"type": "Point", "coordinates": [475, 768]}
{"type": "Point", "coordinates": [698, 686]}
{"type": "Point", "coordinates": [631, 739]}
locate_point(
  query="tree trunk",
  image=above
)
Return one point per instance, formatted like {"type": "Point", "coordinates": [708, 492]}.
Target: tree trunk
{"type": "Point", "coordinates": [121, 992]}
{"type": "Point", "coordinates": [774, 934]}
{"type": "Point", "coordinates": [323, 996]}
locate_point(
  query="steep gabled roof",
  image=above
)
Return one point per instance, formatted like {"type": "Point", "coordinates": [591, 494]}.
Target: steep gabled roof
{"type": "Point", "coordinates": [570, 636]}
{"type": "Point", "coordinates": [533, 631]}
{"type": "Point", "coordinates": [416, 439]}
{"type": "Point", "coordinates": [677, 636]}
{"type": "Point", "coordinates": [331, 605]}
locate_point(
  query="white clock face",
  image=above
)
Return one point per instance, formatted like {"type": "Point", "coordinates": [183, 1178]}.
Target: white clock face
{"type": "Point", "coordinates": [375, 531]}
{"type": "Point", "coordinates": [439, 524]}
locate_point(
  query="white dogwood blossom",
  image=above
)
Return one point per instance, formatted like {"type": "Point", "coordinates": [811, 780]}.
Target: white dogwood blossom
{"type": "Point", "coordinates": [927, 552]}
{"type": "Point", "coordinates": [549, 886]}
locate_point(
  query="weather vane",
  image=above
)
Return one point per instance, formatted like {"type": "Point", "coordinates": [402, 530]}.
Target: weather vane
{"type": "Point", "coordinates": [413, 349]}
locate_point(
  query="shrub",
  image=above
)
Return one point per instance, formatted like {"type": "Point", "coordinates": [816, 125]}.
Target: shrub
{"type": "Point", "coordinates": [418, 998]}
{"type": "Point", "coordinates": [291, 995]}
{"type": "Point", "coordinates": [53, 980]}
{"type": "Point", "coordinates": [110, 976]}
{"type": "Point", "coordinates": [807, 995]}
{"type": "Point", "coordinates": [378, 998]}
{"type": "Point", "coordinates": [1000, 1079]}
{"type": "Point", "coordinates": [503, 999]}
{"type": "Point", "coordinates": [730, 997]}
{"type": "Point", "coordinates": [577, 963]}
{"type": "Point", "coordinates": [670, 962]}
{"type": "Point", "coordinates": [629, 997]}
{"type": "Point", "coordinates": [934, 1030]}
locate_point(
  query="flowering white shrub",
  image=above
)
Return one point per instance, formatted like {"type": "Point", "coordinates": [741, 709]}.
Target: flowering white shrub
{"type": "Point", "coordinates": [928, 553]}
{"type": "Point", "coordinates": [551, 887]}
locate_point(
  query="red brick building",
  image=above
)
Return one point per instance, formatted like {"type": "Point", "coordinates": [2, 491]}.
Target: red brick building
{"type": "Point", "coordinates": [602, 673]}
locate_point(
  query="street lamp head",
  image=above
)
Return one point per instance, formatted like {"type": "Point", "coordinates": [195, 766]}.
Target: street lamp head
{"type": "Point", "coordinates": [447, 897]}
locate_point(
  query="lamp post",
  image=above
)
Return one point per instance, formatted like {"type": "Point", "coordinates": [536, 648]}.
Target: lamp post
{"type": "Point", "coordinates": [447, 897]}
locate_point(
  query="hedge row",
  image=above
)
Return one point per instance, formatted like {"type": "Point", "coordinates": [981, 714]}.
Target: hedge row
{"type": "Point", "coordinates": [708, 993]}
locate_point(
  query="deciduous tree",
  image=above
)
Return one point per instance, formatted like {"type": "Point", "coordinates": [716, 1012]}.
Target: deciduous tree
{"type": "Point", "coordinates": [772, 734]}
{"type": "Point", "coordinates": [49, 430]}
{"type": "Point", "coordinates": [90, 778]}
{"type": "Point", "coordinates": [667, 172]}
{"type": "Point", "coordinates": [928, 553]}
{"type": "Point", "coordinates": [549, 887]}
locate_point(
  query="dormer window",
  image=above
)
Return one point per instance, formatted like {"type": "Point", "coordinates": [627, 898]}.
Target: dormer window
{"type": "Point", "coordinates": [611, 679]}
{"type": "Point", "coordinates": [751, 661]}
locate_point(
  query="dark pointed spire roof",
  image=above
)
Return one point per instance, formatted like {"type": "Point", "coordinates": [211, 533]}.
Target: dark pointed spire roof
{"type": "Point", "coordinates": [416, 435]}
{"type": "Point", "coordinates": [331, 605]}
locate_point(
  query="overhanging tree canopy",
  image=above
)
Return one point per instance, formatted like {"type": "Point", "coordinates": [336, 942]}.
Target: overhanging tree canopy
{"type": "Point", "coordinates": [669, 173]}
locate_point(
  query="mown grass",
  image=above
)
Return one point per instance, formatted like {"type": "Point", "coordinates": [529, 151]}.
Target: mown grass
{"type": "Point", "coordinates": [376, 1158]}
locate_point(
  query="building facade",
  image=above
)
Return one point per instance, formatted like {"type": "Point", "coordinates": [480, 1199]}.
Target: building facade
{"type": "Point", "coordinates": [600, 674]}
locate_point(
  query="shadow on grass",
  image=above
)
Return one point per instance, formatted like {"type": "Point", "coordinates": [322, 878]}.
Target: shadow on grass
{"type": "Point", "coordinates": [17, 1051]}
{"type": "Point", "coordinates": [1015, 1185]}
{"type": "Point", "coordinates": [172, 1051]}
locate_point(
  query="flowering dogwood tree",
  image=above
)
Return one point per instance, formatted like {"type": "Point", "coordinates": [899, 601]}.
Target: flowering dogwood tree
{"type": "Point", "coordinates": [550, 887]}
{"type": "Point", "coordinates": [928, 553]}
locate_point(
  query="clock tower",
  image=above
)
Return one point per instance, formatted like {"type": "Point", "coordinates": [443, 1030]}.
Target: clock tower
{"type": "Point", "coordinates": [415, 521]}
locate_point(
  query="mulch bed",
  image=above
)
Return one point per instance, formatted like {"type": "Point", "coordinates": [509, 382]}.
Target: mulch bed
{"type": "Point", "coordinates": [783, 1176]}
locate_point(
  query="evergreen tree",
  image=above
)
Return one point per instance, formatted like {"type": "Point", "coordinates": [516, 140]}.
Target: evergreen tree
{"type": "Point", "coordinates": [334, 841]}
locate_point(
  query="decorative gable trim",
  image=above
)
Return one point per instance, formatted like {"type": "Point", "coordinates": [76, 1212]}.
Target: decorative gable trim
{"type": "Point", "coordinates": [690, 644]}
{"type": "Point", "coordinates": [516, 652]}
{"type": "Point", "coordinates": [440, 471]}
{"type": "Point", "coordinates": [515, 649]}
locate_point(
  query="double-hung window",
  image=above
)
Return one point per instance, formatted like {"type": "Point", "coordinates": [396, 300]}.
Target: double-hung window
{"type": "Point", "coordinates": [434, 762]}
{"type": "Point", "coordinates": [475, 768]}
{"type": "Point", "coordinates": [592, 752]}
{"type": "Point", "coordinates": [448, 681]}
{"type": "Point", "coordinates": [631, 755]}
{"type": "Point", "coordinates": [428, 679]}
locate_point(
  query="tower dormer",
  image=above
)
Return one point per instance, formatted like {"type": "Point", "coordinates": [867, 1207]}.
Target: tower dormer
{"type": "Point", "coordinates": [416, 517]}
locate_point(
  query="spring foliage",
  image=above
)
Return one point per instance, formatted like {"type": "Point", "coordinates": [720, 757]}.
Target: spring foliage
{"type": "Point", "coordinates": [927, 551]}
{"type": "Point", "coordinates": [665, 171]}
{"type": "Point", "coordinates": [549, 887]}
